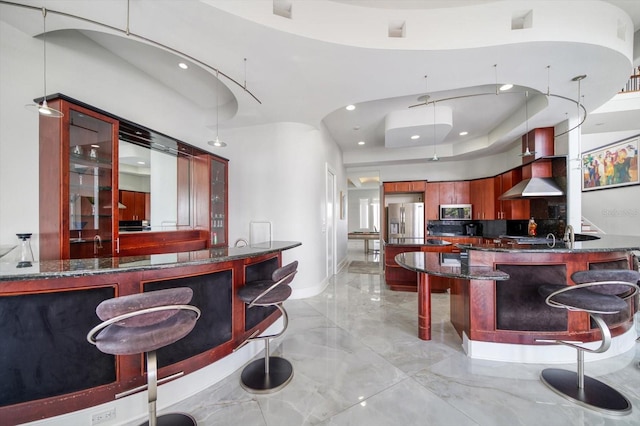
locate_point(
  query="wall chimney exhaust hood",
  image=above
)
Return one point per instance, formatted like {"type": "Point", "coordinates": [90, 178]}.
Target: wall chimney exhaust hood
{"type": "Point", "coordinates": [534, 187]}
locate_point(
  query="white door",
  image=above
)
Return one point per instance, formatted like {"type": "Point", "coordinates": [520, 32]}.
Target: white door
{"type": "Point", "coordinates": [330, 219]}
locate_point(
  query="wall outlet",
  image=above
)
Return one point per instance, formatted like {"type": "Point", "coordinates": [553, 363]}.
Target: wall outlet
{"type": "Point", "coordinates": [103, 417]}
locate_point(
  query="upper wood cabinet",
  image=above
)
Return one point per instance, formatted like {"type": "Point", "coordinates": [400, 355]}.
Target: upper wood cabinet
{"type": "Point", "coordinates": [404, 187]}
{"type": "Point", "coordinates": [432, 201]}
{"type": "Point", "coordinates": [483, 198]}
{"type": "Point", "coordinates": [512, 209]}
{"type": "Point", "coordinates": [454, 192]}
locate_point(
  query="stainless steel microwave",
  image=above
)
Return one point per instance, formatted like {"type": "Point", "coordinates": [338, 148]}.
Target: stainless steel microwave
{"type": "Point", "coordinates": [455, 212]}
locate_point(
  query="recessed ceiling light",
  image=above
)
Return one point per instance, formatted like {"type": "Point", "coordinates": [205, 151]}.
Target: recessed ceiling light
{"type": "Point", "coordinates": [361, 143]}
{"type": "Point", "coordinates": [141, 162]}
{"type": "Point", "coordinates": [463, 133]}
{"type": "Point", "coordinates": [183, 65]}
{"type": "Point", "coordinates": [414, 137]}
{"type": "Point", "coordinates": [506, 87]}
{"type": "Point", "coordinates": [350, 107]}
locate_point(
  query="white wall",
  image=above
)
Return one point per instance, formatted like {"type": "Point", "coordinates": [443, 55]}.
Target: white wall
{"type": "Point", "coordinates": [276, 171]}
{"type": "Point", "coordinates": [277, 174]}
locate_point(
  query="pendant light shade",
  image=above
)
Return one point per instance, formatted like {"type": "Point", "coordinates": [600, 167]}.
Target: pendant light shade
{"type": "Point", "coordinates": [217, 142]}
{"type": "Point", "coordinates": [527, 152]}
{"type": "Point", "coordinates": [43, 109]}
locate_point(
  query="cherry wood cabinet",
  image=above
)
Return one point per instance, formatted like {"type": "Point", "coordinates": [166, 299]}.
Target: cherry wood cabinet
{"type": "Point", "coordinates": [512, 209]}
{"type": "Point", "coordinates": [134, 205]}
{"type": "Point", "coordinates": [483, 198]}
{"type": "Point", "coordinates": [79, 189]}
{"type": "Point", "coordinates": [78, 183]}
{"type": "Point", "coordinates": [404, 187]}
{"type": "Point", "coordinates": [432, 201]}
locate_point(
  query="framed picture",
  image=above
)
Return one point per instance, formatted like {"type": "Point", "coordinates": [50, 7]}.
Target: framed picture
{"type": "Point", "coordinates": [343, 205]}
{"type": "Point", "coordinates": [611, 166]}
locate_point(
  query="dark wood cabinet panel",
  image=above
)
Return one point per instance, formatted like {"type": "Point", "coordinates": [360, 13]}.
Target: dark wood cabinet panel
{"type": "Point", "coordinates": [136, 205]}
{"type": "Point", "coordinates": [432, 201]}
{"type": "Point", "coordinates": [405, 186]}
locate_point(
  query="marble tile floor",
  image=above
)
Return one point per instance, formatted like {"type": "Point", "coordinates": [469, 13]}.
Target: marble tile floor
{"type": "Point", "coordinates": [357, 361]}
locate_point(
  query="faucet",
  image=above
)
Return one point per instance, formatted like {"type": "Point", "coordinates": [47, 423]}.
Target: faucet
{"type": "Point", "coordinates": [569, 235]}
{"type": "Point", "coordinates": [97, 244]}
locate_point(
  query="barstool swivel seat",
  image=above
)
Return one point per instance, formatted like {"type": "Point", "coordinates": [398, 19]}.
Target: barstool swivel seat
{"type": "Point", "coordinates": [271, 373]}
{"type": "Point", "coordinates": [143, 323]}
{"type": "Point", "coordinates": [597, 292]}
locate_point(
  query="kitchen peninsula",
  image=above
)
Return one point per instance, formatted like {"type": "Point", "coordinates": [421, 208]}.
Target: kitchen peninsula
{"type": "Point", "coordinates": [47, 309]}
{"type": "Point", "coordinates": [494, 301]}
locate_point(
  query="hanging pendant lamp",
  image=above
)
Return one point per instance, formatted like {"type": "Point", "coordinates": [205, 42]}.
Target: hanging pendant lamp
{"type": "Point", "coordinates": [435, 155]}
{"type": "Point", "coordinates": [527, 152]}
{"type": "Point", "coordinates": [217, 142]}
{"type": "Point", "coordinates": [43, 109]}
{"type": "Point", "coordinates": [579, 79]}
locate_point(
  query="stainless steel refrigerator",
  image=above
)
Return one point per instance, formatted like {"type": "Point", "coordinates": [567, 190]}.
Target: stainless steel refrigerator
{"type": "Point", "coordinates": [405, 220]}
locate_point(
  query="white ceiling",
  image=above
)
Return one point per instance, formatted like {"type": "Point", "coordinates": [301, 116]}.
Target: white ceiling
{"type": "Point", "coordinates": [331, 53]}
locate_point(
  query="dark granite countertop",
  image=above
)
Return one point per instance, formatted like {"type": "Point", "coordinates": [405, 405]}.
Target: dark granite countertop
{"type": "Point", "coordinates": [432, 264]}
{"type": "Point", "coordinates": [605, 243]}
{"type": "Point", "coordinates": [82, 267]}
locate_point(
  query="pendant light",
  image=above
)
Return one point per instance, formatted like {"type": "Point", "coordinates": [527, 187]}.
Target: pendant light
{"type": "Point", "coordinates": [43, 109]}
{"type": "Point", "coordinates": [217, 142]}
{"type": "Point", "coordinates": [435, 156]}
{"type": "Point", "coordinates": [579, 79]}
{"type": "Point", "coordinates": [527, 152]}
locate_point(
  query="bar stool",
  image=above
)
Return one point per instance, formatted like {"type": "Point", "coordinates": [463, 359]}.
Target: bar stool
{"type": "Point", "coordinates": [597, 292]}
{"type": "Point", "coordinates": [143, 323]}
{"type": "Point", "coordinates": [271, 373]}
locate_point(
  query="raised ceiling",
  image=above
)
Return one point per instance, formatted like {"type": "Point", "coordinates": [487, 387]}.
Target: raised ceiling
{"type": "Point", "coordinates": [307, 60]}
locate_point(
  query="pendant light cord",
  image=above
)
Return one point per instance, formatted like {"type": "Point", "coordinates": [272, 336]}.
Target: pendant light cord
{"type": "Point", "coordinates": [44, 50]}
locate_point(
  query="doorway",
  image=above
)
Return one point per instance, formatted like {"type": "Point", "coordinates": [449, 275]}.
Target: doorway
{"type": "Point", "coordinates": [330, 221]}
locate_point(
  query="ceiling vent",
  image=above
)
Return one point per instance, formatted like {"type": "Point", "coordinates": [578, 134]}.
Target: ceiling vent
{"type": "Point", "coordinates": [397, 29]}
{"type": "Point", "coordinates": [283, 8]}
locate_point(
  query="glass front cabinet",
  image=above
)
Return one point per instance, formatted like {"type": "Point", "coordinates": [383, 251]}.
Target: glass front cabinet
{"type": "Point", "coordinates": [219, 200]}
{"type": "Point", "coordinates": [78, 175]}
{"type": "Point", "coordinates": [85, 158]}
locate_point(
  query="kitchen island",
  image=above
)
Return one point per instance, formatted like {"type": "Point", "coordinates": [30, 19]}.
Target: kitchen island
{"type": "Point", "coordinates": [402, 279]}
{"type": "Point", "coordinates": [494, 301]}
{"type": "Point", "coordinates": [46, 310]}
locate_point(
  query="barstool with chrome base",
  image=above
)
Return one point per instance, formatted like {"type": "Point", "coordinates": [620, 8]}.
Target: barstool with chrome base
{"type": "Point", "coordinates": [268, 374]}
{"type": "Point", "coordinates": [146, 322]}
{"type": "Point", "coordinates": [597, 292]}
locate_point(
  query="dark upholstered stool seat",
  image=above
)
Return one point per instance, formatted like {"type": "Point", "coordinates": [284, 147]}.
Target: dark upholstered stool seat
{"type": "Point", "coordinates": [269, 374]}
{"type": "Point", "coordinates": [597, 292]}
{"type": "Point", "coordinates": [143, 323]}
{"type": "Point", "coordinates": [583, 299]}
{"type": "Point", "coordinates": [250, 292]}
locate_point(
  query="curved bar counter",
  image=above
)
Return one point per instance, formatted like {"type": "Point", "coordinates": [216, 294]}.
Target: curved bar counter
{"type": "Point", "coordinates": [46, 310]}
{"type": "Point", "coordinates": [494, 301]}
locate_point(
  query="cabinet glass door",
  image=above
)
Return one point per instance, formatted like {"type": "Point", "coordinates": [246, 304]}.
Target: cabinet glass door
{"type": "Point", "coordinates": [218, 202]}
{"type": "Point", "coordinates": [91, 213]}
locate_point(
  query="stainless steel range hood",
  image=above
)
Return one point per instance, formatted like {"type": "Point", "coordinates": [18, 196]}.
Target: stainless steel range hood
{"type": "Point", "coordinates": [534, 187]}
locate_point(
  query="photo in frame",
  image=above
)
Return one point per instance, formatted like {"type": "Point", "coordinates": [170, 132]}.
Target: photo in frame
{"type": "Point", "coordinates": [611, 166]}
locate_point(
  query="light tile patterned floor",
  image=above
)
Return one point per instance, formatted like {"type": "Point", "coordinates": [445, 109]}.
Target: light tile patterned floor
{"type": "Point", "coordinates": [357, 361]}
